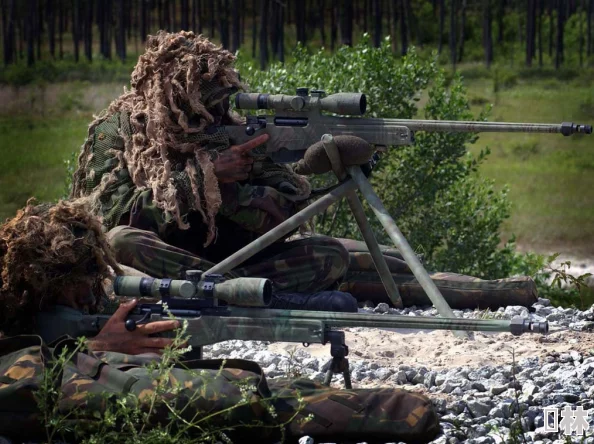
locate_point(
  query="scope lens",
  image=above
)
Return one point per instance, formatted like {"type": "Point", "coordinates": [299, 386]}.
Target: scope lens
{"type": "Point", "coordinates": [363, 103]}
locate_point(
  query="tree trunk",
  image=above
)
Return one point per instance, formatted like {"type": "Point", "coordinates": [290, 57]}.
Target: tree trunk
{"type": "Point", "coordinates": [281, 33]}
{"type": "Point", "coordinates": [212, 17]}
{"type": "Point", "coordinates": [88, 30]}
{"type": "Point", "coordinates": [194, 14]}
{"type": "Point", "coordinates": [403, 29]}
{"type": "Point", "coordinates": [377, 23]}
{"type": "Point", "coordinates": [173, 6]}
{"type": "Point", "coordinates": [129, 12]}
{"type": "Point", "coordinates": [39, 27]}
{"type": "Point", "coordinates": [442, 15]}
{"type": "Point", "coordinates": [50, 14]}
{"type": "Point", "coordinates": [235, 25]}
{"type": "Point", "coordinates": [242, 7]}
{"type": "Point", "coordinates": [453, 33]}
{"type": "Point", "coordinates": [364, 14]}
{"type": "Point", "coordinates": [581, 32]}
{"type": "Point", "coordinates": [75, 28]}
{"type": "Point", "coordinates": [185, 15]}
{"type": "Point", "coordinates": [143, 20]}
{"type": "Point", "coordinates": [272, 34]}
{"type": "Point", "coordinates": [589, 27]}
{"type": "Point", "coordinates": [462, 32]}
{"type": "Point", "coordinates": [60, 29]}
{"type": "Point", "coordinates": [300, 20]}
{"type": "Point", "coordinates": [29, 31]}
{"type": "Point", "coordinates": [346, 23]}
{"type": "Point", "coordinates": [254, 27]}
{"type": "Point", "coordinates": [8, 29]}
{"type": "Point", "coordinates": [121, 31]}
{"type": "Point", "coordinates": [487, 32]}
{"type": "Point", "coordinates": [540, 16]}
{"type": "Point", "coordinates": [560, 23]}
{"type": "Point", "coordinates": [551, 29]}
{"type": "Point", "coordinates": [223, 14]}
{"type": "Point", "coordinates": [263, 34]}
{"type": "Point", "coordinates": [500, 24]}
{"type": "Point", "coordinates": [333, 25]}
{"type": "Point", "coordinates": [394, 25]}
{"type": "Point", "coordinates": [322, 21]}
{"type": "Point", "coordinates": [530, 30]}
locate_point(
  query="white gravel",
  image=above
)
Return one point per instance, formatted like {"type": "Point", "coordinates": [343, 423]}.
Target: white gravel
{"type": "Point", "coordinates": [478, 402]}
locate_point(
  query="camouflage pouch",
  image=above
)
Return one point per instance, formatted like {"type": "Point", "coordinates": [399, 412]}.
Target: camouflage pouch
{"type": "Point", "coordinates": [370, 415]}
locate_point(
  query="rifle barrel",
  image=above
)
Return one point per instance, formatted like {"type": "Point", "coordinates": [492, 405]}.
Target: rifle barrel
{"type": "Point", "coordinates": [342, 320]}
{"type": "Point", "coordinates": [565, 128]}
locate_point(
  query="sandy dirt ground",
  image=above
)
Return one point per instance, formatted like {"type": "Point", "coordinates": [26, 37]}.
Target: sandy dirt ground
{"type": "Point", "coordinates": [441, 350]}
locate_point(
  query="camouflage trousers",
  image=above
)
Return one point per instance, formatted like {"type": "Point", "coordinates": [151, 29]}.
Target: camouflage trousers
{"type": "Point", "coordinates": [317, 263]}
{"type": "Point", "coordinates": [232, 396]}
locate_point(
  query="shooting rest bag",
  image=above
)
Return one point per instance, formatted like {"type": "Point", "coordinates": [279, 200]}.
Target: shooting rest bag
{"type": "Point", "coordinates": [88, 385]}
{"type": "Point", "coordinates": [353, 151]}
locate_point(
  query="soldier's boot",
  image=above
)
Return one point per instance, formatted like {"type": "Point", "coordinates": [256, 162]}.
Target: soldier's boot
{"type": "Point", "coordinates": [321, 301]}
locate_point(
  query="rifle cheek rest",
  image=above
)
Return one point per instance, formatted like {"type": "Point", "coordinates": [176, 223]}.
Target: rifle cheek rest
{"type": "Point", "coordinates": [353, 151]}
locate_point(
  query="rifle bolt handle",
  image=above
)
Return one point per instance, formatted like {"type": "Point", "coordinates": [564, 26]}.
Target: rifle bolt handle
{"type": "Point", "coordinates": [130, 324]}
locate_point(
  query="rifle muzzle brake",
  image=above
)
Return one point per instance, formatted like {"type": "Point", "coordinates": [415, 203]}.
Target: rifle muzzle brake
{"type": "Point", "coordinates": [521, 325]}
{"type": "Point", "coordinates": [569, 128]}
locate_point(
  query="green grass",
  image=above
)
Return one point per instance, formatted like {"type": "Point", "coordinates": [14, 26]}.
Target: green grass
{"type": "Point", "coordinates": [33, 152]}
{"type": "Point", "coordinates": [551, 177]}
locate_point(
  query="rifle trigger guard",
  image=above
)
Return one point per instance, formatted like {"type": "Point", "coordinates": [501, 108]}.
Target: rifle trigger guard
{"type": "Point", "coordinates": [306, 344]}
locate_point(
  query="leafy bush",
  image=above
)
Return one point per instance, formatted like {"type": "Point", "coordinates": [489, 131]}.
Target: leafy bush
{"type": "Point", "coordinates": [554, 282]}
{"type": "Point", "coordinates": [431, 188]}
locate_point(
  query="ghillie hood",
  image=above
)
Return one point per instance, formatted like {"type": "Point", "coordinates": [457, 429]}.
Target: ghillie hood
{"type": "Point", "coordinates": [175, 83]}
{"type": "Point", "coordinates": [45, 250]}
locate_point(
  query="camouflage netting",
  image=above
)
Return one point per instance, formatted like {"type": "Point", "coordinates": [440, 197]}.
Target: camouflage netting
{"type": "Point", "coordinates": [44, 250]}
{"type": "Point", "coordinates": [174, 84]}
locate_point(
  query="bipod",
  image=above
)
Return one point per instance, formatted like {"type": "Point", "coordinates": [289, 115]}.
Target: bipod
{"type": "Point", "coordinates": [352, 178]}
{"type": "Point", "coordinates": [339, 363]}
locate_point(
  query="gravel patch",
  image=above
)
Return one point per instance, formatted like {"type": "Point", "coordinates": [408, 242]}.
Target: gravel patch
{"type": "Point", "coordinates": [478, 404]}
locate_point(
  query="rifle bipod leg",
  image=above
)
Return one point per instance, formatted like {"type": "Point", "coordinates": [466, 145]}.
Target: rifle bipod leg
{"type": "Point", "coordinates": [339, 363]}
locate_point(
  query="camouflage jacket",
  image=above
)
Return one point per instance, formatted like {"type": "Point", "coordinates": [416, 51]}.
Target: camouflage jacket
{"type": "Point", "coordinates": [42, 396]}
{"type": "Point", "coordinates": [254, 207]}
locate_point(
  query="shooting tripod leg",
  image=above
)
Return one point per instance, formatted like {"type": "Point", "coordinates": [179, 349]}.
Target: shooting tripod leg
{"type": "Point", "coordinates": [357, 209]}
{"type": "Point", "coordinates": [280, 230]}
{"type": "Point", "coordinates": [402, 244]}
{"type": "Point", "coordinates": [339, 363]}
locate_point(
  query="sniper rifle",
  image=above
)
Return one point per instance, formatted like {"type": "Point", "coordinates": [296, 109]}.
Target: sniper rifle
{"type": "Point", "coordinates": [196, 302]}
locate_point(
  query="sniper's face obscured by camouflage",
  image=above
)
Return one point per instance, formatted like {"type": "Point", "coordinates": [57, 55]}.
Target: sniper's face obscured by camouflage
{"type": "Point", "coordinates": [51, 254]}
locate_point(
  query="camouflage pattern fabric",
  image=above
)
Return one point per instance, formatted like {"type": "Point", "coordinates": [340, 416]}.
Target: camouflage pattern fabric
{"type": "Point", "coordinates": [257, 208]}
{"type": "Point", "coordinates": [460, 291]}
{"type": "Point", "coordinates": [302, 266]}
{"type": "Point", "coordinates": [317, 263]}
{"type": "Point", "coordinates": [90, 383]}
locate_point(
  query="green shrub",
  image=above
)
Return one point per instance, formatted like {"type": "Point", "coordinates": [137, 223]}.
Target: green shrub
{"type": "Point", "coordinates": [431, 188]}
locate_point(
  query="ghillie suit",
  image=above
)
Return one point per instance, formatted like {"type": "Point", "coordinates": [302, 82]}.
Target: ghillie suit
{"type": "Point", "coordinates": [57, 390]}
{"type": "Point", "coordinates": [147, 164]}
{"type": "Point", "coordinates": [151, 150]}
{"type": "Point", "coordinates": [44, 249]}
